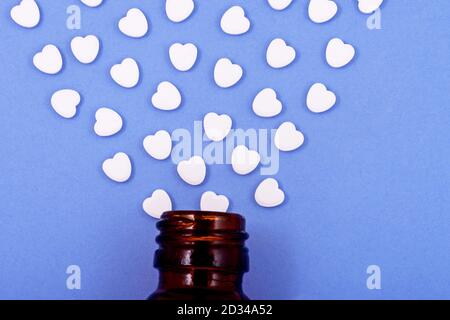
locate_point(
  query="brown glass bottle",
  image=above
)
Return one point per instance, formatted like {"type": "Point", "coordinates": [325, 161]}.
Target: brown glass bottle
{"type": "Point", "coordinates": [201, 256]}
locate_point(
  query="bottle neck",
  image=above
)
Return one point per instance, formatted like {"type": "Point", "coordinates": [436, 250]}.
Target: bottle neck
{"type": "Point", "coordinates": [199, 278]}
{"type": "Point", "coordinates": [201, 266]}
{"type": "Point", "coordinates": [201, 254]}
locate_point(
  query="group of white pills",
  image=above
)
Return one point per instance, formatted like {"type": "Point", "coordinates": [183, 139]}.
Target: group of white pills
{"type": "Point", "coordinates": [126, 74]}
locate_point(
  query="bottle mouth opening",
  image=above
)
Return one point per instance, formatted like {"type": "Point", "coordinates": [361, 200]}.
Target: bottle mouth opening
{"type": "Point", "coordinates": [201, 212]}
{"type": "Point", "coordinates": [201, 222]}
{"type": "Point", "coordinates": [202, 239]}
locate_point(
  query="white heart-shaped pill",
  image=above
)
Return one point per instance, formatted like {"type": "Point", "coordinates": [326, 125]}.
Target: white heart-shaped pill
{"type": "Point", "coordinates": [65, 102]}
{"type": "Point", "coordinates": [268, 193]}
{"type": "Point", "coordinates": [179, 10]}
{"type": "Point", "coordinates": [319, 99]}
{"type": "Point", "coordinates": [244, 160]}
{"type": "Point", "coordinates": [158, 203]}
{"type": "Point", "coordinates": [279, 4]}
{"type": "Point", "coordinates": [279, 54]}
{"type": "Point", "coordinates": [234, 21]}
{"type": "Point", "coordinates": [369, 6]}
{"type": "Point", "coordinates": [92, 3]}
{"type": "Point", "coordinates": [210, 201]}
{"type": "Point", "coordinates": [287, 137]}
{"type": "Point", "coordinates": [85, 49]}
{"type": "Point", "coordinates": [321, 11]}
{"type": "Point", "coordinates": [167, 97]}
{"type": "Point", "coordinates": [26, 14]}
{"type": "Point", "coordinates": [108, 122]}
{"type": "Point", "coordinates": [227, 74]}
{"type": "Point", "coordinates": [192, 171]}
{"type": "Point", "coordinates": [118, 168]}
{"type": "Point", "coordinates": [183, 56]}
{"type": "Point", "coordinates": [217, 127]}
{"type": "Point", "coordinates": [134, 24]}
{"type": "Point", "coordinates": [49, 60]}
{"type": "Point", "coordinates": [126, 74]}
{"type": "Point", "coordinates": [159, 145]}
{"type": "Point", "coordinates": [266, 104]}
{"type": "Point", "coordinates": [338, 53]}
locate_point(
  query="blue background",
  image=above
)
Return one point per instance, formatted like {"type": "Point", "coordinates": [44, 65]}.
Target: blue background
{"type": "Point", "coordinates": [370, 186]}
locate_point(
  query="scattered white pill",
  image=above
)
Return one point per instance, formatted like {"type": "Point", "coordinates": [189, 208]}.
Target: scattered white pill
{"type": "Point", "coordinates": [266, 104]}
{"type": "Point", "coordinates": [234, 21]}
{"type": "Point", "coordinates": [338, 53]}
{"type": "Point", "coordinates": [65, 102]}
{"type": "Point", "coordinates": [134, 24]}
{"type": "Point", "coordinates": [210, 201]}
{"type": "Point", "coordinates": [179, 10]}
{"type": "Point", "coordinates": [159, 145]}
{"type": "Point", "coordinates": [227, 74]}
{"type": "Point", "coordinates": [279, 54]}
{"type": "Point", "coordinates": [126, 74]}
{"type": "Point", "coordinates": [319, 98]}
{"type": "Point", "coordinates": [244, 160]}
{"type": "Point", "coordinates": [85, 49]}
{"type": "Point", "coordinates": [118, 168]}
{"type": "Point", "coordinates": [26, 14]}
{"type": "Point", "coordinates": [192, 171]}
{"type": "Point", "coordinates": [183, 56]}
{"type": "Point", "coordinates": [108, 122]}
{"type": "Point", "coordinates": [167, 97]}
{"type": "Point", "coordinates": [49, 60]}
{"type": "Point", "coordinates": [158, 203]}
{"type": "Point", "coordinates": [369, 6]}
{"type": "Point", "coordinates": [268, 193]}
{"type": "Point", "coordinates": [321, 11]}
{"type": "Point", "coordinates": [217, 127]}
{"type": "Point", "coordinates": [287, 137]}
{"type": "Point", "coordinates": [279, 4]}
{"type": "Point", "coordinates": [92, 3]}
